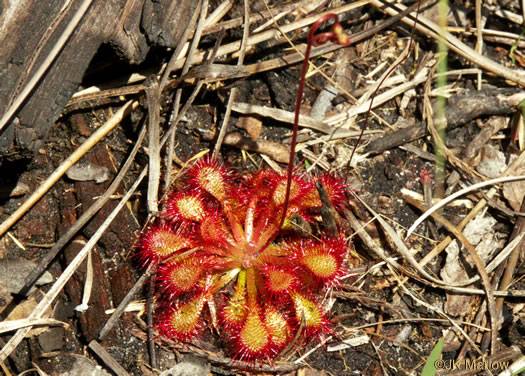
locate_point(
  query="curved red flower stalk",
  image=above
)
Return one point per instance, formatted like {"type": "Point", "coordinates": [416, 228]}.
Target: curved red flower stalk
{"type": "Point", "coordinates": [336, 35]}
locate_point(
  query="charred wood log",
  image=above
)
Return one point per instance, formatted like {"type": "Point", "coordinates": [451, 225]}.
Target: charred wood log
{"type": "Point", "coordinates": [30, 28]}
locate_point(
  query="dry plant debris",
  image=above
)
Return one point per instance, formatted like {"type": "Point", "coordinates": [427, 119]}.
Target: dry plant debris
{"type": "Point", "coordinates": [459, 276]}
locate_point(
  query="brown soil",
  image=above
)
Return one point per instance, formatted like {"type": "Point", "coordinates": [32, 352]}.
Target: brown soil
{"type": "Point", "coordinates": [394, 348]}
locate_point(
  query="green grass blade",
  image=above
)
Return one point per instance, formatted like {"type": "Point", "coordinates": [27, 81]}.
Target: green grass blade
{"type": "Point", "coordinates": [430, 369]}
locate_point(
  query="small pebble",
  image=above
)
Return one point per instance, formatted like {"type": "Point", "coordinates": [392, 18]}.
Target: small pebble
{"type": "Point", "coordinates": [85, 171]}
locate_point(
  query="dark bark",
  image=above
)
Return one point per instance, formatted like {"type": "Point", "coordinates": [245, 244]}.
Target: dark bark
{"type": "Point", "coordinates": [461, 109]}
{"type": "Point", "coordinates": [132, 27]}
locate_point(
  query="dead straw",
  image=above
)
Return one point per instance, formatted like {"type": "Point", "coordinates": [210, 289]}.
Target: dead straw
{"type": "Point", "coordinates": [70, 161]}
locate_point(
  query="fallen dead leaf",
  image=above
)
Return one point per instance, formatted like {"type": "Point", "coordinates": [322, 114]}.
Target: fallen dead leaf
{"type": "Point", "coordinates": [13, 272]}
{"type": "Point", "coordinates": [274, 150]}
{"type": "Point", "coordinates": [480, 233]}
{"type": "Point", "coordinates": [5, 297]}
{"type": "Point", "coordinates": [515, 191]}
{"type": "Point", "coordinates": [24, 309]}
{"type": "Point", "coordinates": [250, 124]}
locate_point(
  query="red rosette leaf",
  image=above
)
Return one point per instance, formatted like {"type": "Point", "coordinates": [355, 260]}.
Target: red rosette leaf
{"type": "Point", "coordinates": [263, 183]}
{"type": "Point", "coordinates": [278, 281]}
{"type": "Point", "coordinates": [297, 189]}
{"type": "Point", "coordinates": [279, 328]}
{"type": "Point", "coordinates": [184, 207]}
{"type": "Point", "coordinates": [208, 176]}
{"type": "Point", "coordinates": [253, 341]}
{"type": "Point", "coordinates": [307, 309]}
{"type": "Point", "coordinates": [323, 259]}
{"type": "Point", "coordinates": [183, 275]}
{"type": "Point", "coordinates": [162, 241]}
{"type": "Point", "coordinates": [213, 230]}
{"type": "Point", "coordinates": [183, 322]}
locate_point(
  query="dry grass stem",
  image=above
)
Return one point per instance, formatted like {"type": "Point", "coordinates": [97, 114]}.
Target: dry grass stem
{"type": "Point", "coordinates": [479, 35]}
{"type": "Point", "coordinates": [459, 193]}
{"type": "Point", "coordinates": [429, 28]}
{"type": "Point", "coordinates": [152, 90]}
{"type": "Point", "coordinates": [10, 325]}
{"type": "Point", "coordinates": [53, 292]}
{"type": "Point", "coordinates": [70, 161]}
{"type": "Point", "coordinates": [233, 92]}
{"type": "Point", "coordinates": [46, 63]}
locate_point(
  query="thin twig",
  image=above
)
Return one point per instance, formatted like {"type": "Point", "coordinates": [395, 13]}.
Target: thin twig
{"type": "Point", "coordinates": [151, 88]}
{"type": "Point", "coordinates": [70, 161]}
{"type": "Point", "coordinates": [107, 358]}
{"type": "Point", "coordinates": [380, 99]}
{"type": "Point", "coordinates": [46, 63]}
{"type": "Point", "coordinates": [479, 265]}
{"type": "Point", "coordinates": [51, 295]}
{"type": "Point", "coordinates": [124, 303]}
{"type": "Point", "coordinates": [233, 92]}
